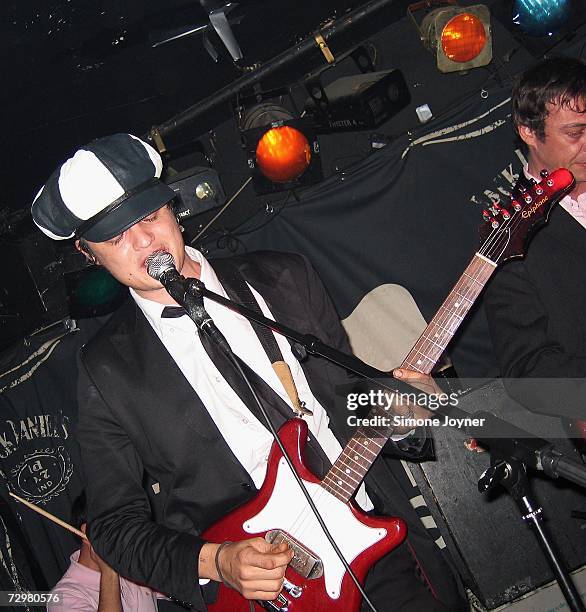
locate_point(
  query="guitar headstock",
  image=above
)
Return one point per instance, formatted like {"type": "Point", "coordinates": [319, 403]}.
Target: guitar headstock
{"type": "Point", "coordinates": [507, 229]}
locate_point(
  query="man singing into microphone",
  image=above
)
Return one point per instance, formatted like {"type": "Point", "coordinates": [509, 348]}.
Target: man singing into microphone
{"type": "Point", "coordinates": [170, 441]}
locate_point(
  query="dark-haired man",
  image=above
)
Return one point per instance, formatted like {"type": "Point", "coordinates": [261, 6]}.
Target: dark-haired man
{"type": "Point", "coordinates": [537, 307]}
{"type": "Point", "coordinates": [170, 437]}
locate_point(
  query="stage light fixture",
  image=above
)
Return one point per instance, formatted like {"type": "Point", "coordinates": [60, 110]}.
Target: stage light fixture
{"type": "Point", "coordinates": [282, 151]}
{"type": "Point", "coordinates": [197, 190]}
{"type": "Point", "coordinates": [357, 102]}
{"type": "Point", "coordinates": [541, 18]}
{"type": "Point", "coordinates": [283, 154]}
{"type": "Point", "coordinates": [460, 36]}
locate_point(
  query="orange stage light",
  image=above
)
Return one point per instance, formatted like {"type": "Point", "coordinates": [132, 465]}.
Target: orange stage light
{"type": "Point", "coordinates": [463, 37]}
{"type": "Point", "coordinates": [460, 37]}
{"type": "Point", "coordinates": [283, 154]}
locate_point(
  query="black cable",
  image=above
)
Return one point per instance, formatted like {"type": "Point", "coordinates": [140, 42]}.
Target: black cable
{"type": "Point", "coordinates": [230, 234]}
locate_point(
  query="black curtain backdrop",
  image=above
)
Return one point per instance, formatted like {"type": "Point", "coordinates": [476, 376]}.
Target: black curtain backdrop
{"type": "Point", "coordinates": [408, 215]}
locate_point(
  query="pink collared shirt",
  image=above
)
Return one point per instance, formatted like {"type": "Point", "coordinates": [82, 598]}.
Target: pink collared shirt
{"type": "Point", "coordinates": [576, 208]}
{"type": "Point", "coordinates": [79, 589]}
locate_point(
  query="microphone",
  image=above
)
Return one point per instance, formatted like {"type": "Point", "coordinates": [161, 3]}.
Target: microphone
{"type": "Point", "coordinates": [161, 266]}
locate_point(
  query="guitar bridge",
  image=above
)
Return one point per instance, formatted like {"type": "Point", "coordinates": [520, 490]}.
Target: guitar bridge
{"type": "Point", "coordinates": [281, 604]}
{"type": "Point", "coordinates": [304, 562]}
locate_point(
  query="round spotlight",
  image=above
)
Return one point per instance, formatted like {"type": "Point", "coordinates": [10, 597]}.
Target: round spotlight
{"type": "Point", "coordinates": [541, 17]}
{"type": "Point", "coordinates": [283, 154]}
{"type": "Point", "coordinates": [460, 37]}
{"type": "Point", "coordinates": [463, 37]}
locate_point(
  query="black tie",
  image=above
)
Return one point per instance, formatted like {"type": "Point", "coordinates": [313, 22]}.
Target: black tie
{"type": "Point", "coordinates": [173, 312]}
{"type": "Point", "coordinates": [233, 377]}
{"type": "Point", "coordinates": [278, 410]}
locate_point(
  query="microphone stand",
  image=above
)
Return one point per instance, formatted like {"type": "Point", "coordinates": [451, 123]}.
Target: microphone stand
{"type": "Point", "coordinates": [511, 447]}
{"type": "Point", "coordinates": [512, 475]}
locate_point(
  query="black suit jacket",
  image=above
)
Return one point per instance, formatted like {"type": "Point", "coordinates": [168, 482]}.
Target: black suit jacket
{"type": "Point", "coordinates": [536, 310]}
{"type": "Point", "coordinates": [141, 424]}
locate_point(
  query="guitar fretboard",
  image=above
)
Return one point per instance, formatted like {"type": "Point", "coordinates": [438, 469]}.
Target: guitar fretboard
{"type": "Point", "coordinates": [437, 335]}
{"type": "Point", "coordinates": [350, 467]}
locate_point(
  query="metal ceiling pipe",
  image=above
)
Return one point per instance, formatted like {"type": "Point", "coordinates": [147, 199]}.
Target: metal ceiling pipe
{"type": "Point", "coordinates": [284, 58]}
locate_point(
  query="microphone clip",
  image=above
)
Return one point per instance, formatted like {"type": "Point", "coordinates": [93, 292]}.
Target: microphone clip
{"type": "Point", "coordinates": [194, 287]}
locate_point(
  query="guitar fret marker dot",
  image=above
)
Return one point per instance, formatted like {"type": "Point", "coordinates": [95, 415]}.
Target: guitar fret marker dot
{"type": "Point", "coordinates": [347, 471]}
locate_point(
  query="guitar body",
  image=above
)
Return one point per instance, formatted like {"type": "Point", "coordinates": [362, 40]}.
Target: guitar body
{"type": "Point", "coordinates": [280, 505]}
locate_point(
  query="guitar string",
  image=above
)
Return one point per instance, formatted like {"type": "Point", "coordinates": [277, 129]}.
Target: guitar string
{"type": "Point", "coordinates": [495, 241]}
{"type": "Point", "coordinates": [488, 249]}
{"type": "Point", "coordinates": [301, 523]}
{"type": "Point", "coordinates": [465, 290]}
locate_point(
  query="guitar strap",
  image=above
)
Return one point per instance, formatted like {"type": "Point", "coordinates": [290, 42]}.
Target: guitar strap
{"type": "Point", "coordinates": [239, 290]}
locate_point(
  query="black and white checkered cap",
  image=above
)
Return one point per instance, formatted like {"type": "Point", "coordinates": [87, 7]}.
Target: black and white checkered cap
{"type": "Point", "coordinates": [105, 188]}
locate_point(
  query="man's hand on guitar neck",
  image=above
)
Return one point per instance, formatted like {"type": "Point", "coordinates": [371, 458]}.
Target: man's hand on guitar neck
{"type": "Point", "coordinates": [423, 382]}
{"type": "Point", "coordinates": [253, 567]}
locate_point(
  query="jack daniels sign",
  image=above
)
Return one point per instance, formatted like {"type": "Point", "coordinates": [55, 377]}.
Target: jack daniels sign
{"type": "Point", "coordinates": [39, 456]}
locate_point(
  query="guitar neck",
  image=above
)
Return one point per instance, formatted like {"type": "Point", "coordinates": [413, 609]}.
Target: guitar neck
{"type": "Point", "coordinates": [350, 467]}
{"type": "Point", "coordinates": [437, 335]}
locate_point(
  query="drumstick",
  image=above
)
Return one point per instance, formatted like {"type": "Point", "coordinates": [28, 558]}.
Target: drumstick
{"type": "Point", "coordinates": [48, 515]}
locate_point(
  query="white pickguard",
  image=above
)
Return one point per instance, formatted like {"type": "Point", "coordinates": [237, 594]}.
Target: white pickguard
{"type": "Point", "coordinates": [287, 509]}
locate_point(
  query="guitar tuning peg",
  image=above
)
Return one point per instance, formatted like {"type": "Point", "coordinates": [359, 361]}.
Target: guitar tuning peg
{"type": "Point", "coordinates": [544, 173]}
{"type": "Point", "coordinates": [516, 205]}
{"type": "Point", "coordinates": [522, 189]}
{"type": "Point", "coordinates": [506, 215]}
{"type": "Point", "coordinates": [495, 223]}
{"type": "Point", "coordinates": [486, 215]}
{"type": "Point", "coordinates": [528, 199]}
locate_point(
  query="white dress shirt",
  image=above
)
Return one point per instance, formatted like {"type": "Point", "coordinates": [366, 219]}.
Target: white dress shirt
{"type": "Point", "coordinates": [248, 438]}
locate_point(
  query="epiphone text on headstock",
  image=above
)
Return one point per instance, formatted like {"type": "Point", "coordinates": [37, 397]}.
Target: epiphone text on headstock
{"type": "Point", "coordinates": [533, 209]}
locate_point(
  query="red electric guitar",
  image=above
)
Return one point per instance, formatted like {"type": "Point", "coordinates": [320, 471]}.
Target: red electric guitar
{"type": "Point", "coordinates": [316, 579]}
